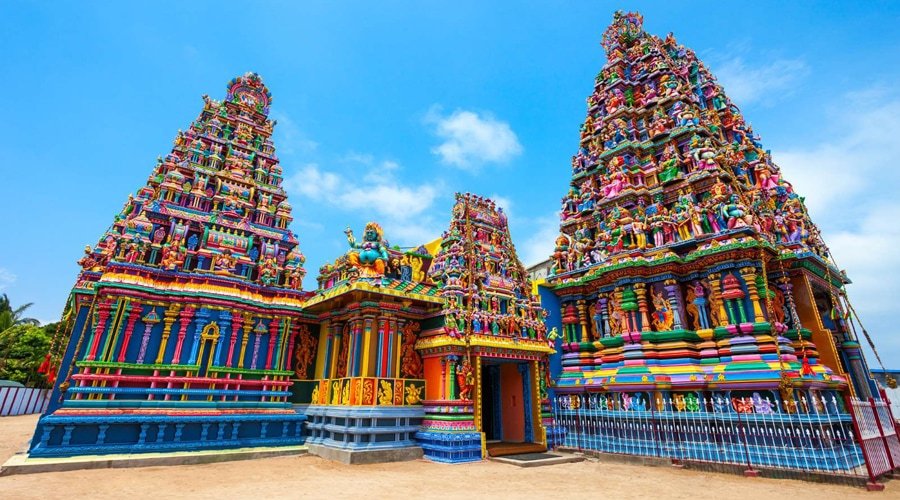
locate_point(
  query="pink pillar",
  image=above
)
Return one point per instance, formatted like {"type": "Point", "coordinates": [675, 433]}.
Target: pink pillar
{"type": "Point", "coordinates": [288, 356]}
{"type": "Point", "coordinates": [273, 335]}
{"type": "Point", "coordinates": [134, 311]}
{"type": "Point", "coordinates": [235, 332]}
{"type": "Point", "coordinates": [103, 310]}
{"type": "Point", "coordinates": [186, 314]}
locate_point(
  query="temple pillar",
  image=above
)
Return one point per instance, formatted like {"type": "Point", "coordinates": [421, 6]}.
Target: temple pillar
{"type": "Point", "coordinates": [355, 352]}
{"type": "Point", "coordinates": [325, 329]}
{"type": "Point", "coordinates": [451, 377]}
{"type": "Point", "coordinates": [749, 275]}
{"type": "Point", "coordinates": [233, 336]}
{"type": "Point", "coordinates": [150, 320]}
{"type": "Point", "coordinates": [258, 332]}
{"type": "Point", "coordinates": [368, 368]}
{"type": "Point", "coordinates": [380, 342]}
{"type": "Point", "coordinates": [185, 316]}
{"type": "Point", "coordinates": [640, 289]}
{"type": "Point", "coordinates": [336, 343]}
{"type": "Point", "coordinates": [603, 331]}
{"type": "Point", "coordinates": [202, 320]}
{"type": "Point", "coordinates": [274, 332]}
{"type": "Point", "coordinates": [398, 363]}
{"type": "Point", "coordinates": [103, 311]}
{"type": "Point", "coordinates": [289, 355]}
{"type": "Point", "coordinates": [444, 380]}
{"type": "Point", "coordinates": [583, 320]}
{"type": "Point", "coordinates": [394, 349]}
{"type": "Point", "coordinates": [716, 300]}
{"type": "Point", "coordinates": [134, 312]}
{"type": "Point", "coordinates": [224, 329]}
{"type": "Point", "coordinates": [169, 318]}
{"type": "Point", "coordinates": [248, 327]}
{"type": "Point", "coordinates": [672, 292]}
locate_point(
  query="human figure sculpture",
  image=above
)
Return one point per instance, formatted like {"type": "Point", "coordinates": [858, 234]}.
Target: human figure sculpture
{"type": "Point", "coordinates": [465, 379]}
{"type": "Point", "coordinates": [224, 263]}
{"type": "Point", "coordinates": [705, 157]}
{"type": "Point", "coordinates": [618, 181]}
{"type": "Point", "coordinates": [88, 262]}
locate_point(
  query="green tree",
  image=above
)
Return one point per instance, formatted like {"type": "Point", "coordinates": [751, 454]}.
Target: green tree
{"type": "Point", "coordinates": [10, 317]}
{"type": "Point", "coordinates": [22, 350]}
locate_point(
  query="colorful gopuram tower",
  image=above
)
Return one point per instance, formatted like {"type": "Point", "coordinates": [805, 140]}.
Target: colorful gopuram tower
{"type": "Point", "coordinates": [363, 395]}
{"type": "Point", "coordinates": [485, 364]}
{"type": "Point", "coordinates": [181, 325]}
{"type": "Point", "coordinates": [687, 268]}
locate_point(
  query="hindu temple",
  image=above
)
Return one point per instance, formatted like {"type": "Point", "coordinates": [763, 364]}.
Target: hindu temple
{"type": "Point", "coordinates": [687, 279]}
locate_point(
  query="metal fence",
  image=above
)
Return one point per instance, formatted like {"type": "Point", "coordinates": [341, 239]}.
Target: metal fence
{"type": "Point", "coordinates": [877, 431]}
{"type": "Point", "coordinates": [826, 435]}
{"type": "Point", "coordinates": [23, 400]}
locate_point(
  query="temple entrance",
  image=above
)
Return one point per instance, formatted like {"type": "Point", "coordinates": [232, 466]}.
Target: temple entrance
{"type": "Point", "coordinates": [507, 404]}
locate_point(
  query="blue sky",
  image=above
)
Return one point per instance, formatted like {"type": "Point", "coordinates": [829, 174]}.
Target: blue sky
{"type": "Point", "coordinates": [385, 110]}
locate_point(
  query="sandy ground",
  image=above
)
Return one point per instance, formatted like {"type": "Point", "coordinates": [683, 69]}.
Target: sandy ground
{"type": "Point", "coordinates": [312, 477]}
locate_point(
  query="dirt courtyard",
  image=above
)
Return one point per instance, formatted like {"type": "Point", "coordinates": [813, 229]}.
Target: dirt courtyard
{"type": "Point", "coordinates": [312, 477]}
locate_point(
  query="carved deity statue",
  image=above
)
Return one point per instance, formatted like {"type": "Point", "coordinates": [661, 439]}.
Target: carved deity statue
{"type": "Point", "coordinates": [370, 256]}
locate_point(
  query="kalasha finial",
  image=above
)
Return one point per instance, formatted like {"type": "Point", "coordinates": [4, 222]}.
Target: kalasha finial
{"type": "Point", "coordinates": [250, 90]}
{"type": "Point", "coordinates": [626, 27]}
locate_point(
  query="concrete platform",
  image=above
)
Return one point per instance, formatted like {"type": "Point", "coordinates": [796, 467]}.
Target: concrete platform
{"type": "Point", "coordinates": [353, 457]}
{"type": "Point", "coordinates": [538, 459]}
{"type": "Point", "coordinates": [21, 463]}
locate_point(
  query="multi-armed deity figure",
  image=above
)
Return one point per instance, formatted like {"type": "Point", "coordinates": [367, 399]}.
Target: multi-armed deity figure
{"type": "Point", "coordinates": [370, 256]}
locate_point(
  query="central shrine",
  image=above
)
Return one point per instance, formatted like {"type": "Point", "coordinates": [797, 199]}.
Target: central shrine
{"type": "Point", "coordinates": [687, 278]}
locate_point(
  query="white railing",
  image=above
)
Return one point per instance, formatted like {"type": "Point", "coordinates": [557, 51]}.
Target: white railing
{"type": "Point", "coordinates": [823, 436]}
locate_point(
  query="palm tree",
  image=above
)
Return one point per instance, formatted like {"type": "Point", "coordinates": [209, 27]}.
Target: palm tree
{"type": "Point", "coordinates": [11, 317]}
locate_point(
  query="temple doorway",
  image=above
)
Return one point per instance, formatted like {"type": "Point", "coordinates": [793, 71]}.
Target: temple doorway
{"type": "Point", "coordinates": [507, 403]}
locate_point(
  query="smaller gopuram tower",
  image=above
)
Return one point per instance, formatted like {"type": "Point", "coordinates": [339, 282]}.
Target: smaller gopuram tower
{"type": "Point", "coordinates": [363, 393]}
{"type": "Point", "coordinates": [180, 327]}
{"type": "Point", "coordinates": [486, 364]}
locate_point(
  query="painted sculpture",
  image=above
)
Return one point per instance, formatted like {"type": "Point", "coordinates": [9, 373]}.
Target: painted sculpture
{"type": "Point", "coordinates": [370, 256]}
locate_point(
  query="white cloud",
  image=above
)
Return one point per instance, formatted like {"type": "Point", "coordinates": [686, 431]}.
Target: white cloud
{"type": "Point", "coordinates": [503, 202]}
{"type": "Point", "coordinates": [313, 183]}
{"type": "Point", "coordinates": [401, 209]}
{"type": "Point", "coordinates": [472, 139]}
{"type": "Point", "coordinates": [6, 278]}
{"type": "Point", "coordinates": [856, 168]}
{"type": "Point", "coordinates": [850, 184]}
{"type": "Point", "coordinates": [542, 237]}
{"type": "Point", "coordinates": [747, 84]}
{"type": "Point", "coordinates": [288, 137]}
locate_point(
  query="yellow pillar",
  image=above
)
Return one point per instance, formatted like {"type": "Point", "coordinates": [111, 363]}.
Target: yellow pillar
{"type": "Point", "coordinates": [321, 351]}
{"type": "Point", "coordinates": [749, 275]}
{"type": "Point", "coordinates": [369, 323]}
{"type": "Point", "coordinates": [171, 316]}
{"type": "Point", "coordinates": [640, 289]}
{"type": "Point", "coordinates": [248, 327]}
{"type": "Point", "coordinates": [715, 293]}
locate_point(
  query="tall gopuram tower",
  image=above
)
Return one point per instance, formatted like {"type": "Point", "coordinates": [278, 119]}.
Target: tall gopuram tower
{"type": "Point", "coordinates": [486, 364]}
{"type": "Point", "coordinates": [687, 268]}
{"type": "Point", "coordinates": [181, 324]}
